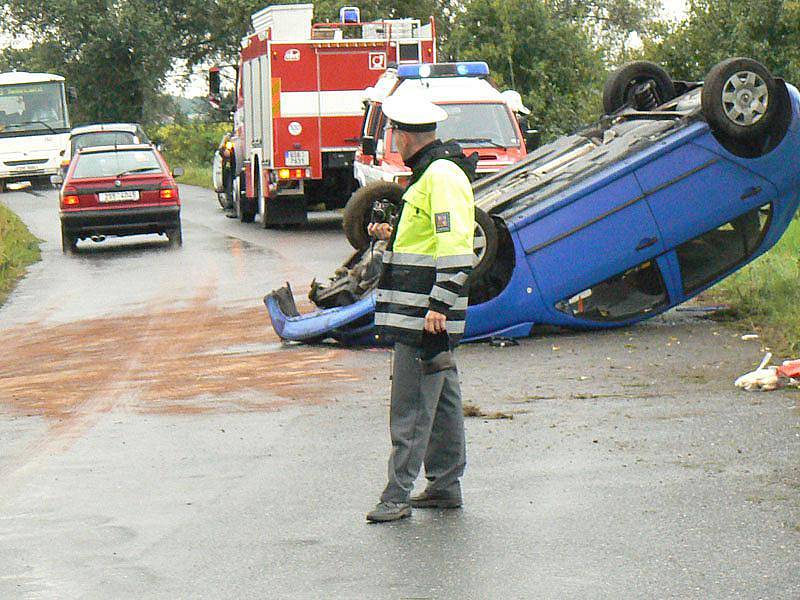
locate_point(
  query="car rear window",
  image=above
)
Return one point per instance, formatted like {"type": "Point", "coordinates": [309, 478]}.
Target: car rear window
{"type": "Point", "coordinates": [102, 138]}
{"type": "Point", "coordinates": [116, 163]}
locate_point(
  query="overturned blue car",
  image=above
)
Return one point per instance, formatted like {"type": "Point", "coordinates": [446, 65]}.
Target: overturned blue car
{"type": "Point", "coordinates": [677, 186]}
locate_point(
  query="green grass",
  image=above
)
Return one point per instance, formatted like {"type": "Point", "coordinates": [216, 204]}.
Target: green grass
{"type": "Point", "coordinates": [196, 175]}
{"type": "Point", "coordinates": [18, 249]}
{"type": "Point", "coordinates": [766, 293]}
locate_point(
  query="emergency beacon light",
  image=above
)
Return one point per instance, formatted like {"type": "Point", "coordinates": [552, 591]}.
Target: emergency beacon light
{"type": "Point", "coordinates": [459, 69]}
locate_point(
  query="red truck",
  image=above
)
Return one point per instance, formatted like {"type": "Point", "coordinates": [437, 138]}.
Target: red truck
{"type": "Point", "coordinates": [299, 107]}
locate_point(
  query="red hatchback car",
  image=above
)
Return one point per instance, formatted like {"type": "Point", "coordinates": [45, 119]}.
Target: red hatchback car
{"type": "Point", "coordinates": [119, 190]}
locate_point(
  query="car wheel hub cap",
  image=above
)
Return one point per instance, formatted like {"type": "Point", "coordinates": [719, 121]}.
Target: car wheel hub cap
{"type": "Point", "coordinates": [745, 98]}
{"type": "Point", "coordinates": [479, 244]}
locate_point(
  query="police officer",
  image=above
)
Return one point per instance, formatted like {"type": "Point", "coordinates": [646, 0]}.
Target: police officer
{"type": "Point", "coordinates": [421, 306]}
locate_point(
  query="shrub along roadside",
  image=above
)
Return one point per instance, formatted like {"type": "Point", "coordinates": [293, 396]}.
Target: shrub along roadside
{"type": "Point", "coordinates": [18, 249]}
{"type": "Point", "coordinates": [765, 295]}
{"type": "Point", "coordinates": [191, 146]}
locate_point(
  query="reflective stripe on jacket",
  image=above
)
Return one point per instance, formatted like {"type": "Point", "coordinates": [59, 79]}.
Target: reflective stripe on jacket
{"type": "Point", "coordinates": [429, 260]}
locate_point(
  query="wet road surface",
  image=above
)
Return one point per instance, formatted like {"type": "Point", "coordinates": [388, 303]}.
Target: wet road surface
{"type": "Point", "coordinates": [157, 441]}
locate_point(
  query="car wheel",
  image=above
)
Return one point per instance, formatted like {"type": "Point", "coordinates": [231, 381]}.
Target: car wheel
{"type": "Point", "coordinates": [69, 243]}
{"type": "Point", "coordinates": [358, 210]}
{"type": "Point", "coordinates": [484, 244]}
{"type": "Point", "coordinates": [743, 104]}
{"type": "Point", "coordinates": [640, 84]}
{"type": "Point", "coordinates": [175, 236]}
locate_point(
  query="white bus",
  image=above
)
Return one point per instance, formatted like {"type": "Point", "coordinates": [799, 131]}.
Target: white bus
{"type": "Point", "coordinates": [34, 126]}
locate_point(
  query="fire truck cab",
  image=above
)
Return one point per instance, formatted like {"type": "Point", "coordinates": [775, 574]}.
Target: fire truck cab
{"type": "Point", "coordinates": [480, 117]}
{"type": "Point", "coordinates": [299, 107]}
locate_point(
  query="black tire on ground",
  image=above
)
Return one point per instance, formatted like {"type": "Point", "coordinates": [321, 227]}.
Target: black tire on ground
{"type": "Point", "coordinates": [358, 210]}
{"type": "Point", "coordinates": [485, 244]}
{"type": "Point", "coordinates": [245, 209]}
{"type": "Point", "coordinates": [68, 242]}
{"type": "Point", "coordinates": [175, 235]}
{"type": "Point", "coordinates": [620, 87]}
{"type": "Point", "coordinates": [742, 103]}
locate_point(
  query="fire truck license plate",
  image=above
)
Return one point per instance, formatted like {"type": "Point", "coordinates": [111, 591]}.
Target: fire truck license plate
{"type": "Point", "coordinates": [118, 196]}
{"type": "Point", "coordinates": [297, 158]}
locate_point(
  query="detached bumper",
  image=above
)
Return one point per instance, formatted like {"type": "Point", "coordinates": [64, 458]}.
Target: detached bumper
{"type": "Point", "coordinates": [352, 324]}
{"type": "Point", "coordinates": [124, 221]}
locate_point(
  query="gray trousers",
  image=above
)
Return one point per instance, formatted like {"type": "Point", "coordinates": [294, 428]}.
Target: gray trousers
{"type": "Point", "coordinates": [426, 422]}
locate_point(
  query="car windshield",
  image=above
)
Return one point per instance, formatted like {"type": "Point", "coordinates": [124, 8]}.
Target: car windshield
{"type": "Point", "coordinates": [116, 162]}
{"type": "Point", "coordinates": [32, 107]}
{"type": "Point", "coordinates": [102, 138]}
{"type": "Point", "coordinates": [476, 125]}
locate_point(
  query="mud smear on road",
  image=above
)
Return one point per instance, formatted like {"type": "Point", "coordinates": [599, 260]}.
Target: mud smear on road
{"type": "Point", "coordinates": [197, 359]}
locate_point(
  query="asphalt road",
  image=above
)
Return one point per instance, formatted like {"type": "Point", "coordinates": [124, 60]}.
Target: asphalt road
{"type": "Point", "coordinates": [157, 441]}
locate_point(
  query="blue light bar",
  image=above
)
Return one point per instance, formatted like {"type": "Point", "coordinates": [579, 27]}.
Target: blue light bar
{"type": "Point", "coordinates": [349, 14]}
{"type": "Point", "coordinates": [460, 69]}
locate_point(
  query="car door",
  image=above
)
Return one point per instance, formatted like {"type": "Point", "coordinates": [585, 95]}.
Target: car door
{"type": "Point", "coordinates": [692, 190]}
{"type": "Point", "coordinates": [600, 244]}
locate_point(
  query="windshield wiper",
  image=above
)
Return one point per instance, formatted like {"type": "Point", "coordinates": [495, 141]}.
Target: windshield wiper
{"type": "Point", "coordinates": [32, 123]}
{"type": "Point", "coordinates": [137, 170]}
{"type": "Point", "coordinates": [489, 141]}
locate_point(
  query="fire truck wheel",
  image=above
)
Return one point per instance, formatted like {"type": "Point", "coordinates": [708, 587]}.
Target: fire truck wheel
{"type": "Point", "coordinates": [484, 244]}
{"type": "Point", "coordinates": [358, 210]}
{"type": "Point", "coordinates": [245, 207]}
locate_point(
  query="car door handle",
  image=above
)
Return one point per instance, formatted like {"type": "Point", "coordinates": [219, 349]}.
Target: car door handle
{"type": "Point", "coordinates": [646, 243]}
{"type": "Point", "coordinates": [750, 192]}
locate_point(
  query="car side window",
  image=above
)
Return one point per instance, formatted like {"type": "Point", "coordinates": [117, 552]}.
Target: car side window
{"type": "Point", "coordinates": [630, 294]}
{"type": "Point", "coordinates": [710, 255]}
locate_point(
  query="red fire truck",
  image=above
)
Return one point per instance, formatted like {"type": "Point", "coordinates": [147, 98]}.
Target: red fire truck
{"type": "Point", "coordinates": [300, 92]}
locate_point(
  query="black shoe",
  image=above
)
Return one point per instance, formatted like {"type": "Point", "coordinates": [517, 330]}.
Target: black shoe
{"type": "Point", "coordinates": [389, 511]}
{"type": "Point", "coordinates": [435, 499]}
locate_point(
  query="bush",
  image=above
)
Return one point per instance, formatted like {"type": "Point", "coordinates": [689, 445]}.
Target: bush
{"type": "Point", "coordinates": [185, 144]}
{"type": "Point", "coordinates": [18, 249]}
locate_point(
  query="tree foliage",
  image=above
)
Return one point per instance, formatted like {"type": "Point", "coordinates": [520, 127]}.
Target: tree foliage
{"type": "Point", "coordinates": [766, 30]}
{"type": "Point", "coordinates": [117, 54]}
{"type": "Point", "coordinates": [549, 60]}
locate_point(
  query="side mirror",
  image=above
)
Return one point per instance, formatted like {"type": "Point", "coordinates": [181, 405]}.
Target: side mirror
{"type": "Point", "coordinates": [56, 179]}
{"type": "Point", "coordinates": [368, 145]}
{"type": "Point", "coordinates": [533, 139]}
{"type": "Point", "coordinates": [177, 172]}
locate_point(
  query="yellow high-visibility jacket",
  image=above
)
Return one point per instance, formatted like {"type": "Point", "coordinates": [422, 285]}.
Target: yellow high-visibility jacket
{"type": "Point", "coordinates": [429, 257]}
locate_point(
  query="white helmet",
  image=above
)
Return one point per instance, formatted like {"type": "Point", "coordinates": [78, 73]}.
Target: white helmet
{"type": "Point", "coordinates": [413, 112]}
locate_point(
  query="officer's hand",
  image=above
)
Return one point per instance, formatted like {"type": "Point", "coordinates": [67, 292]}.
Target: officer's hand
{"type": "Point", "coordinates": [382, 231]}
{"type": "Point", "coordinates": [435, 322]}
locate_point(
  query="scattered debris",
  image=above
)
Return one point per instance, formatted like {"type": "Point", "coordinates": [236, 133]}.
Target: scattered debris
{"type": "Point", "coordinates": [473, 410]}
{"type": "Point", "coordinates": [750, 336]}
{"type": "Point", "coordinates": [502, 342]}
{"type": "Point", "coordinates": [766, 378]}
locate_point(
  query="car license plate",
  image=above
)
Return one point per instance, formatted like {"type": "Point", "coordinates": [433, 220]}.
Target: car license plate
{"type": "Point", "coordinates": [125, 196]}
{"type": "Point", "coordinates": [297, 158]}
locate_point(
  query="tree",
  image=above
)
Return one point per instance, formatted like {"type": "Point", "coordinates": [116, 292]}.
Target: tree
{"type": "Point", "coordinates": [118, 54]}
{"type": "Point", "coordinates": [766, 30]}
{"type": "Point", "coordinates": [549, 60]}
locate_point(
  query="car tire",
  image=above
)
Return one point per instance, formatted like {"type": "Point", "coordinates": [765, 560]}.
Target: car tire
{"type": "Point", "coordinates": [485, 243]}
{"type": "Point", "coordinates": [621, 86]}
{"type": "Point", "coordinates": [358, 210]}
{"type": "Point", "coordinates": [744, 105]}
{"type": "Point", "coordinates": [175, 236]}
{"type": "Point", "coordinates": [69, 243]}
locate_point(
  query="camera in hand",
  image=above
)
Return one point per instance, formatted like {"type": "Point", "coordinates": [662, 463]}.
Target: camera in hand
{"type": "Point", "coordinates": [382, 212]}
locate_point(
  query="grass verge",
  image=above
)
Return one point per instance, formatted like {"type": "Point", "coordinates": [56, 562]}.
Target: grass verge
{"type": "Point", "coordinates": [18, 249]}
{"type": "Point", "coordinates": [765, 295]}
{"type": "Point", "coordinates": [196, 175]}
